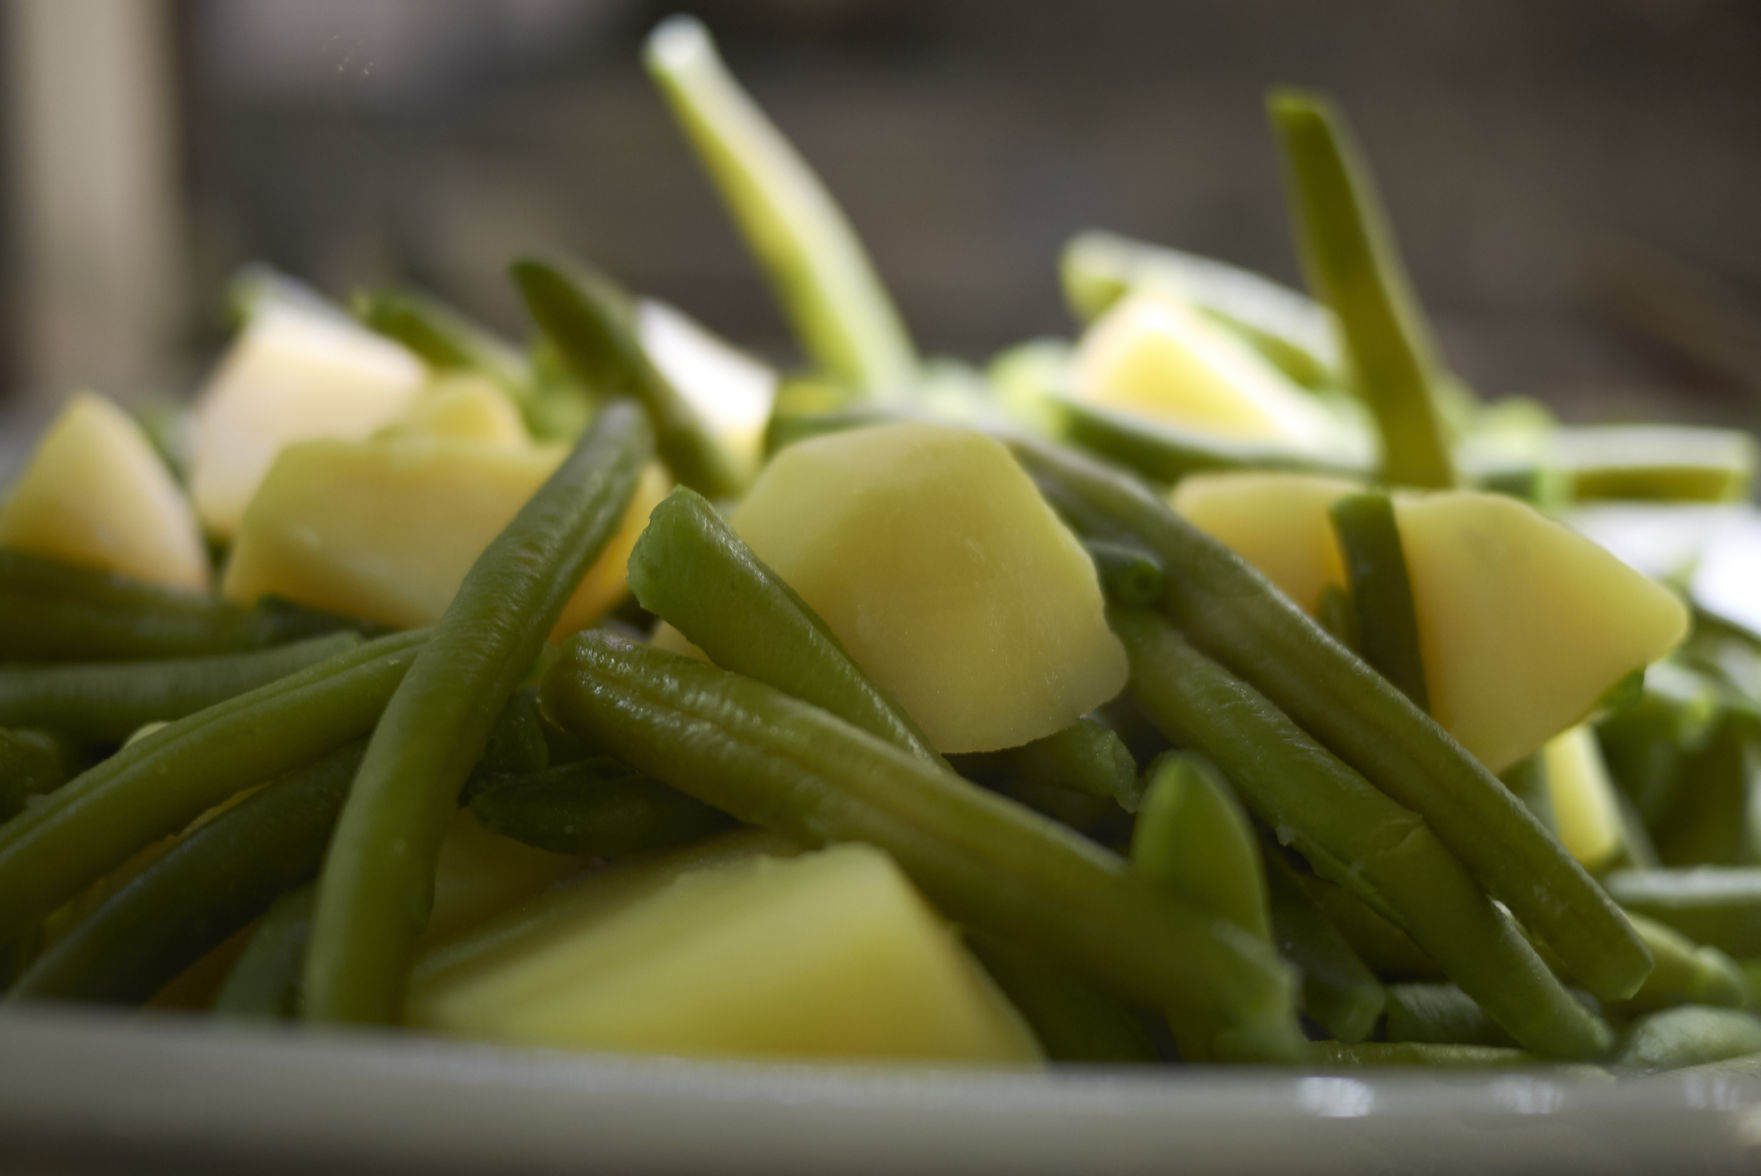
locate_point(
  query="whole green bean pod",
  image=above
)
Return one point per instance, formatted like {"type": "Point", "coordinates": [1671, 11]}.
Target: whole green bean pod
{"type": "Point", "coordinates": [1073, 1019]}
{"type": "Point", "coordinates": [264, 984]}
{"type": "Point", "coordinates": [1339, 992]}
{"type": "Point", "coordinates": [1354, 835]}
{"type": "Point", "coordinates": [1234, 615]}
{"type": "Point", "coordinates": [162, 781]}
{"type": "Point", "coordinates": [376, 887]}
{"type": "Point", "coordinates": [215, 880]}
{"type": "Point", "coordinates": [1387, 625]}
{"type": "Point", "coordinates": [816, 266]}
{"type": "Point", "coordinates": [105, 702]}
{"type": "Point", "coordinates": [1354, 269]}
{"type": "Point", "coordinates": [1717, 906]}
{"type": "Point", "coordinates": [33, 763]}
{"type": "Point", "coordinates": [772, 760]}
{"type": "Point", "coordinates": [1192, 837]}
{"type": "Point", "coordinates": [590, 808]}
{"type": "Point", "coordinates": [1690, 1035]}
{"type": "Point", "coordinates": [590, 322]}
{"type": "Point", "coordinates": [690, 569]}
{"type": "Point", "coordinates": [1685, 972]}
{"type": "Point", "coordinates": [1441, 1014]}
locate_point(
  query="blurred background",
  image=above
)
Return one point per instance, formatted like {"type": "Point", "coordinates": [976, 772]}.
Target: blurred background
{"type": "Point", "coordinates": [1574, 183]}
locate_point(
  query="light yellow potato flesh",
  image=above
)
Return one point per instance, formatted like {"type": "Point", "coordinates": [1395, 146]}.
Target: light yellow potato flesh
{"type": "Point", "coordinates": [1582, 796]}
{"type": "Point", "coordinates": [827, 955]}
{"type": "Point", "coordinates": [1158, 358]}
{"type": "Point", "coordinates": [293, 374]}
{"type": "Point", "coordinates": [463, 408]}
{"type": "Point", "coordinates": [481, 874]}
{"type": "Point", "coordinates": [935, 561]}
{"type": "Point", "coordinates": [1524, 624]}
{"type": "Point", "coordinates": [94, 493]}
{"type": "Point", "coordinates": [386, 529]}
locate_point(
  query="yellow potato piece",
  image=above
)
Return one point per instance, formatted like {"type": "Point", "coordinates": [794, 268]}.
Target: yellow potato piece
{"type": "Point", "coordinates": [293, 374]}
{"type": "Point", "coordinates": [1158, 358]}
{"type": "Point", "coordinates": [1523, 624]}
{"type": "Point", "coordinates": [386, 529]}
{"type": "Point", "coordinates": [481, 874]}
{"type": "Point", "coordinates": [935, 561]}
{"type": "Point", "coordinates": [95, 493]}
{"type": "Point", "coordinates": [463, 408]}
{"type": "Point", "coordinates": [828, 955]}
{"type": "Point", "coordinates": [1584, 808]}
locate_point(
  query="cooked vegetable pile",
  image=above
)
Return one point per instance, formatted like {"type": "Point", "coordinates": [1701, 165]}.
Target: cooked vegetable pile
{"type": "Point", "coordinates": [1229, 685]}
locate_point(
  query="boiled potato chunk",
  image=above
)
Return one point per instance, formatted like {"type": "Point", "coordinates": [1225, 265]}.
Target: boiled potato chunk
{"type": "Point", "coordinates": [951, 583]}
{"type": "Point", "coordinates": [463, 407]}
{"type": "Point", "coordinates": [480, 874]}
{"type": "Point", "coordinates": [294, 373]}
{"type": "Point", "coordinates": [1524, 624]}
{"type": "Point", "coordinates": [1582, 796]}
{"type": "Point", "coordinates": [1159, 358]}
{"type": "Point", "coordinates": [94, 493]}
{"type": "Point", "coordinates": [386, 529]}
{"type": "Point", "coordinates": [830, 954]}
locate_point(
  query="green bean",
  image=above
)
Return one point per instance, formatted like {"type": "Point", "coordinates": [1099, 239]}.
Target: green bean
{"type": "Point", "coordinates": [1339, 992]}
{"type": "Point", "coordinates": [591, 322]}
{"type": "Point", "coordinates": [1233, 614]}
{"type": "Point", "coordinates": [1381, 594]}
{"type": "Point", "coordinates": [1669, 462]}
{"type": "Point", "coordinates": [1129, 575]}
{"type": "Point", "coordinates": [1685, 972]}
{"type": "Point", "coordinates": [105, 702]}
{"type": "Point", "coordinates": [441, 337]}
{"type": "Point", "coordinates": [264, 984]}
{"type": "Point", "coordinates": [1437, 1055]}
{"type": "Point", "coordinates": [33, 763]}
{"type": "Point", "coordinates": [1440, 1014]}
{"type": "Point", "coordinates": [517, 742]}
{"type": "Point", "coordinates": [1166, 453]}
{"type": "Point", "coordinates": [1354, 835]}
{"type": "Point", "coordinates": [1337, 616]}
{"type": "Point", "coordinates": [1354, 269]}
{"type": "Point", "coordinates": [690, 569]}
{"type": "Point", "coordinates": [815, 264]}
{"type": "Point", "coordinates": [215, 880]}
{"type": "Point", "coordinates": [1716, 906]}
{"type": "Point", "coordinates": [376, 887]}
{"type": "Point", "coordinates": [1385, 949]}
{"type": "Point", "coordinates": [1073, 1020]}
{"type": "Point", "coordinates": [1645, 744]}
{"type": "Point", "coordinates": [1192, 837]}
{"type": "Point", "coordinates": [1527, 781]}
{"type": "Point", "coordinates": [1289, 329]}
{"type": "Point", "coordinates": [775, 761]}
{"type": "Point", "coordinates": [1691, 1035]}
{"type": "Point", "coordinates": [1637, 852]}
{"type": "Point", "coordinates": [1706, 819]}
{"type": "Point", "coordinates": [590, 808]}
{"type": "Point", "coordinates": [159, 783]}
{"type": "Point", "coordinates": [1087, 757]}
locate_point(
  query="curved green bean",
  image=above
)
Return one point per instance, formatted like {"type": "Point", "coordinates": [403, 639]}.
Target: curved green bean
{"type": "Point", "coordinates": [816, 266]}
{"type": "Point", "coordinates": [1354, 269]}
{"type": "Point", "coordinates": [591, 808]}
{"type": "Point", "coordinates": [590, 322]}
{"type": "Point", "coordinates": [775, 761]}
{"type": "Point", "coordinates": [215, 880]}
{"type": "Point", "coordinates": [1231, 613]}
{"type": "Point", "coordinates": [33, 763]}
{"type": "Point", "coordinates": [376, 885]}
{"type": "Point", "coordinates": [159, 783]}
{"type": "Point", "coordinates": [107, 701]}
{"type": "Point", "coordinates": [1355, 835]}
{"type": "Point", "coordinates": [1381, 594]}
{"type": "Point", "coordinates": [264, 984]}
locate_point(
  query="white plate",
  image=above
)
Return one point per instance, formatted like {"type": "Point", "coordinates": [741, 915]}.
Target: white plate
{"type": "Point", "coordinates": [92, 1093]}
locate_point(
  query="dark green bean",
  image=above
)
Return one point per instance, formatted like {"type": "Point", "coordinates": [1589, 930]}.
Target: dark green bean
{"type": "Point", "coordinates": [775, 761]}
{"type": "Point", "coordinates": [105, 702]}
{"type": "Point", "coordinates": [1646, 744]}
{"type": "Point", "coordinates": [517, 743]}
{"type": "Point", "coordinates": [159, 783]}
{"type": "Point", "coordinates": [591, 808]}
{"type": "Point", "coordinates": [1705, 822]}
{"type": "Point", "coordinates": [1441, 1014]}
{"type": "Point", "coordinates": [591, 323]}
{"type": "Point", "coordinates": [1527, 781]}
{"type": "Point", "coordinates": [215, 880]}
{"type": "Point", "coordinates": [693, 571]}
{"type": "Point", "coordinates": [1354, 835]}
{"type": "Point", "coordinates": [264, 984]}
{"type": "Point", "coordinates": [1354, 269]}
{"type": "Point", "coordinates": [1073, 1020]}
{"type": "Point", "coordinates": [1331, 1055]}
{"type": "Point", "coordinates": [1385, 949]}
{"type": "Point", "coordinates": [33, 763]}
{"type": "Point", "coordinates": [1129, 575]}
{"type": "Point", "coordinates": [1689, 1036]}
{"type": "Point", "coordinates": [1337, 617]}
{"type": "Point", "coordinates": [1717, 906]}
{"type": "Point", "coordinates": [376, 887]}
{"type": "Point", "coordinates": [1233, 614]}
{"type": "Point", "coordinates": [1087, 757]}
{"type": "Point", "coordinates": [1339, 992]}
{"type": "Point", "coordinates": [1381, 594]}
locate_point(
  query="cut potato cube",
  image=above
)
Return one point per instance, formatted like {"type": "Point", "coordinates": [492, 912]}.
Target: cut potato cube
{"type": "Point", "coordinates": [462, 407]}
{"type": "Point", "coordinates": [94, 493]}
{"type": "Point", "coordinates": [292, 374]}
{"type": "Point", "coordinates": [831, 954]}
{"type": "Point", "coordinates": [1524, 625]}
{"type": "Point", "coordinates": [386, 529]}
{"type": "Point", "coordinates": [1582, 796]}
{"type": "Point", "coordinates": [947, 578]}
{"type": "Point", "coordinates": [1159, 358]}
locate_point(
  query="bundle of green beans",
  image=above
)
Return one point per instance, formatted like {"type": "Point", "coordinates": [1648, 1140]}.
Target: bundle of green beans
{"type": "Point", "coordinates": [1267, 850]}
